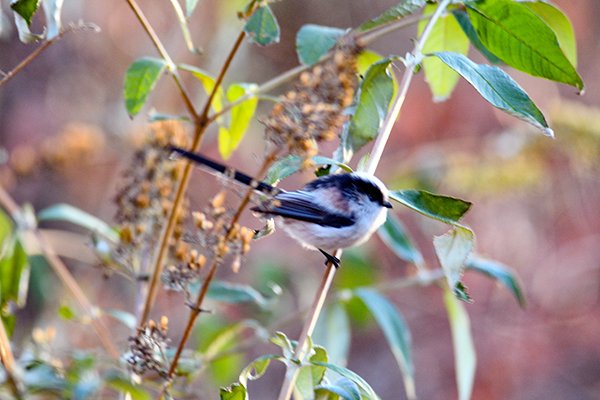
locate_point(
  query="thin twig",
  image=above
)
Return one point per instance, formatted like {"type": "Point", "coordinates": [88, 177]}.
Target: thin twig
{"type": "Point", "coordinates": [7, 76]}
{"type": "Point", "coordinates": [65, 276]}
{"type": "Point", "coordinates": [8, 360]}
{"type": "Point", "coordinates": [375, 156]}
{"type": "Point", "coordinates": [368, 37]}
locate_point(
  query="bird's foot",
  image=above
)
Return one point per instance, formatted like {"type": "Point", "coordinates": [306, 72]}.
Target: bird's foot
{"type": "Point", "coordinates": [330, 259]}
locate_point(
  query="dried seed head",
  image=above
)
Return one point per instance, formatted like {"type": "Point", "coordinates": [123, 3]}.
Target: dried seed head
{"type": "Point", "coordinates": [147, 349]}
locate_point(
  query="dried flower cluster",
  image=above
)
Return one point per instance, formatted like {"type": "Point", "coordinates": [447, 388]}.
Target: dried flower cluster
{"type": "Point", "coordinates": [314, 110]}
{"type": "Point", "coordinates": [146, 198]}
{"type": "Point", "coordinates": [147, 349]}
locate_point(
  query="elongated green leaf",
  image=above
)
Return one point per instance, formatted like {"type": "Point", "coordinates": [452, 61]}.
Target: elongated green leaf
{"type": "Point", "coordinates": [560, 24]}
{"type": "Point", "coordinates": [467, 27]}
{"type": "Point", "coordinates": [208, 83]}
{"type": "Point", "coordinates": [521, 39]}
{"type": "Point", "coordinates": [257, 368]}
{"type": "Point", "coordinates": [303, 387]}
{"type": "Point", "coordinates": [233, 392]}
{"type": "Point", "coordinates": [14, 274]}
{"type": "Point", "coordinates": [25, 8]}
{"type": "Point", "coordinates": [68, 213]}
{"type": "Point", "coordinates": [228, 292]}
{"type": "Point", "coordinates": [291, 164]}
{"type": "Point", "coordinates": [140, 79]}
{"type": "Point", "coordinates": [262, 26]}
{"type": "Point", "coordinates": [375, 94]}
{"type": "Point", "coordinates": [452, 250]}
{"type": "Point", "coordinates": [346, 373]}
{"type": "Point", "coordinates": [126, 318]}
{"type": "Point", "coordinates": [241, 115]}
{"type": "Point", "coordinates": [344, 387]}
{"type": "Point", "coordinates": [333, 333]}
{"type": "Point", "coordinates": [314, 41]}
{"type": "Point", "coordinates": [394, 235]}
{"type": "Point", "coordinates": [183, 25]}
{"type": "Point", "coordinates": [121, 384]}
{"type": "Point", "coordinates": [317, 372]}
{"type": "Point", "coordinates": [465, 358]}
{"type": "Point", "coordinates": [446, 35]}
{"type": "Point", "coordinates": [499, 89]}
{"type": "Point", "coordinates": [52, 10]}
{"type": "Point", "coordinates": [443, 208]}
{"type": "Point", "coordinates": [503, 274]}
{"type": "Point", "coordinates": [400, 10]}
{"type": "Point", "coordinates": [396, 332]}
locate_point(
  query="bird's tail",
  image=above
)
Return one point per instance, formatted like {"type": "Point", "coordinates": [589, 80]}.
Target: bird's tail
{"type": "Point", "coordinates": [226, 171]}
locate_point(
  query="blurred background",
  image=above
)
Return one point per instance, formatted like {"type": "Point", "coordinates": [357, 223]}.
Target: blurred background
{"type": "Point", "coordinates": [65, 137]}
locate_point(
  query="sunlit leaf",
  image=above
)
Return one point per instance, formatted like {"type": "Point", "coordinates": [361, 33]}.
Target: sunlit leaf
{"type": "Point", "coordinates": [230, 136]}
{"type": "Point", "coordinates": [446, 35]}
{"type": "Point", "coordinates": [14, 273]}
{"type": "Point", "coordinates": [68, 213]}
{"type": "Point", "coordinates": [400, 10]}
{"type": "Point", "coordinates": [344, 387]}
{"type": "Point", "coordinates": [52, 9]}
{"type": "Point", "coordinates": [233, 392]}
{"type": "Point", "coordinates": [282, 341]}
{"type": "Point", "coordinates": [452, 250]}
{"type": "Point", "coordinates": [314, 41]}
{"type": "Point", "coordinates": [560, 24]}
{"type": "Point", "coordinates": [25, 34]}
{"type": "Point", "coordinates": [443, 208]}
{"type": "Point", "coordinates": [394, 235]}
{"type": "Point", "coordinates": [465, 358]}
{"type": "Point", "coordinates": [465, 23]}
{"type": "Point", "coordinates": [25, 8]}
{"type": "Point", "coordinates": [291, 164]}
{"type": "Point", "coordinates": [396, 332]}
{"type": "Point", "coordinates": [257, 368]}
{"type": "Point", "coordinates": [503, 274]}
{"type": "Point", "coordinates": [303, 387]}
{"type": "Point", "coordinates": [262, 26]}
{"type": "Point", "coordinates": [498, 88]}
{"type": "Point", "coordinates": [66, 313]}
{"type": "Point", "coordinates": [521, 39]}
{"type": "Point", "coordinates": [208, 83]}
{"type": "Point", "coordinates": [333, 333]}
{"type": "Point", "coordinates": [140, 79]}
{"type": "Point", "coordinates": [346, 373]}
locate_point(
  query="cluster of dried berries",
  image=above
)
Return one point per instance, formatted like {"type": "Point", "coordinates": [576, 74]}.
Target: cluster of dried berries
{"type": "Point", "coordinates": [314, 110]}
{"type": "Point", "coordinates": [76, 145]}
{"type": "Point", "coordinates": [147, 197]}
{"type": "Point", "coordinates": [213, 233]}
{"type": "Point", "coordinates": [147, 349]}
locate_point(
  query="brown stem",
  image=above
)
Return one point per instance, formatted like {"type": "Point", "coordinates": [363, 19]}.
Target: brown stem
{"type": "Point", "coordinates": [63, 273]}
{"type": "Point", "coordinates": [8, 360]}
{"type": "Point", "coordinates": [197, 307]}
{"type": "Point", "coordinates": [27, 60]}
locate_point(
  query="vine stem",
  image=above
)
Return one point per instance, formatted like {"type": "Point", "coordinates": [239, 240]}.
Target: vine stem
{"type": "Point", "coordinates": [63, 273]}
{"type": "Point", "coordinates": [375, 156]}
{"type": "Point", "coordinates": [196, 308]}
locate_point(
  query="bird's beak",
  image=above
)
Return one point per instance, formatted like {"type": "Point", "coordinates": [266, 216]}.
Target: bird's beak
{"type": "Point", "coordinates": [387, 204]}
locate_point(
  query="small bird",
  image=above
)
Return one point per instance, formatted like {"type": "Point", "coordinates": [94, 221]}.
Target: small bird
{"type": "Point", "coordinates": [331, 212]}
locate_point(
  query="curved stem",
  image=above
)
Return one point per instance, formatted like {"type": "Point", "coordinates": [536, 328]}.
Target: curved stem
{"type": "Point", "coordinates": [375, 156]}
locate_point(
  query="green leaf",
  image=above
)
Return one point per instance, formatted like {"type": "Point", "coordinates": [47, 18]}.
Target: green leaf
{"type": "Point", "coordinates": [521, 39]}
{"type": "Point", "coordinates": [400, 10]}
{"type": "Point", "coordinates": [499, 89]}
{"type": "Point", "coordinates": [25, 8]}
{"type": "Point", "coordinates": [140, 79]}
{"type": "Point", "coordinates": [446, 35]}
{"type": "Point", "coordinates": [443, 208]}
{"type": "Point", "coordinates": [66, 313]}
{"type": "Point", "coordinates": [241, 115]}
{"type": "Point", "coordinates": [68, 213]}
{"type": "Point", "coordinates": [333, 333]}
{"type": "Point", "coordinates": [374, 96]}
{"type": "Point", "coordinates": [228, 292]}
{"type": "Point", "coordinates": [233, 392]}
{"type": "Point", "coordinates": [282, 341]}
{"type": "Point", "coordinates": [183, 25]}
{"type": "Point", "coordinates": [126, 318]}
{"type": "Point", "coordinates": [452, 249]}
{"type": "Point", "coordinates": [560, 24]}
{"type": "Point", "coordinates": [314, 41]}
{"type": "Point", "coordinates": [346, 373]}
{"type": "Point", "coordinates": [394, 235]}
{"type": "Point", "coordinates": [503, 274]}
{"type": "Point", "coordinates": [318, 373]}
{"type": "Point", "coordinates": [190, 6]}
{"type": "Point", "coordinates": [123, 385]}
{"type": "Point", "coordinates": [52, 9]}
{"type": "Point", "coordinates": [208, 83]}
{"type": "Point", "coordinates": [343, 387]}
{"type": "Point", "coordinates": [157, 116]}
{"type": "Point", "coordinates": [465, 358]}
{"type": "Point", "coordinates": [291, 164]}
{"type": "Point", "coordinates": [396, 332]}
{"type": "Point", "coordinates": [262, 26]}
{"type": "Point", "coordinates": [303, 387]}
{"type": "Point", "coordinates": [14, 273]}
{"type": "Point", "coordinates": [465, 23]}
{"type": "Point", "coordinates": [257, 368]}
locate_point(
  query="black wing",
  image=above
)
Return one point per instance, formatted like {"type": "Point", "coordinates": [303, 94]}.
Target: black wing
{"type": "Point", "coordinates": [300, 205]}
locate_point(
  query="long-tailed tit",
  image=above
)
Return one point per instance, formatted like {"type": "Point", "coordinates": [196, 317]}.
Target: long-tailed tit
{"type": "Point", "coordinates": [332, 212]}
